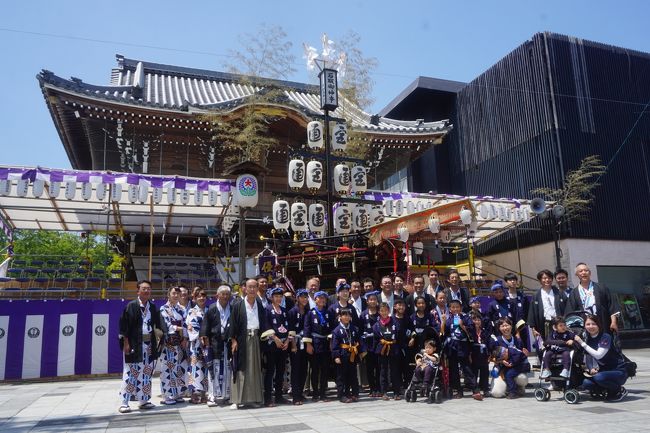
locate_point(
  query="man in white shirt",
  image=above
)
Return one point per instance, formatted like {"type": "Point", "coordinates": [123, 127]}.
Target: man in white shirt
{"type": "Point", "coordinates": [595, 298]}
{"type": "Point", "coordinates": [357, 301]}
{"type": "Point", "coordinates": [387, 294]}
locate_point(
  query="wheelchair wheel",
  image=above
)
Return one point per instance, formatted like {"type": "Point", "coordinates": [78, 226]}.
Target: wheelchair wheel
{"type": "Point", "coordinates": [547, 395]}
{"type": "Point", "coordinates": [540, 394]}
{"type": "Point", "coordinates": [571, 396]}
{"type": "Point", "coordinates": [414, 396]}
{"type": "Point", "coordinates": [407, 395]}
{"type": "Point", "coordinates": [437, 397]}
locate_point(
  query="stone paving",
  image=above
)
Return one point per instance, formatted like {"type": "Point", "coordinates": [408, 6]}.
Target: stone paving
{"type": "Point", "coordinates": [91, 406]}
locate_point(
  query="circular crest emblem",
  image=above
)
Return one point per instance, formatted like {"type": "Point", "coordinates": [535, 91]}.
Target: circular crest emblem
{"type": "Point", "coordinates": [33, 332]}
{"type": "Point", "coordinates": [247, 186]}
{"type": "Point", "coordinates": [2, 333]}
{"type": "Point", "coordinates": [67, 330]}
{"type": "Point", "coordinates": [100, 330]}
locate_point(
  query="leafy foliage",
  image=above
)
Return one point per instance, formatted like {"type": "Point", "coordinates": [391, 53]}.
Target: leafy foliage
{"type": "Point", "coordinates": [53, 245]}
{"type": "Point", "coordinates": [577, 195]}
{"type": "Point", "coordinates": [357, 84]}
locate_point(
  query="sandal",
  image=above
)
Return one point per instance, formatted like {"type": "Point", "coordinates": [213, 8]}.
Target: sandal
{"type": "Point", "coordinates": [147, 405]}
{"type": "Point", "coordinates": [124, 409]}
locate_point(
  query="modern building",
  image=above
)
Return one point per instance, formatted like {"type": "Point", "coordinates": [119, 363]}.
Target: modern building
{"type": "Point", "coordinates": [525, 123]}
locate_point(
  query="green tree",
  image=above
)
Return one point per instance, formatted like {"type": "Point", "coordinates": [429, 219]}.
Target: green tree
{"type": "Point", "coordinates": [577, 194]}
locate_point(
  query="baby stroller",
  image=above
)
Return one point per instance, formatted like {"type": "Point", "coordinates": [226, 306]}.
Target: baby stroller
{"type": "Point", "coordinates": [416, 386]}
{"type": "Point", "coordinates": [566, 385]}
{"type": "Point", "coordinates": [433, 392]}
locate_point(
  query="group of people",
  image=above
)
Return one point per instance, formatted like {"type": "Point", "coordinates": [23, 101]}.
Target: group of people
{"type": "Point", "coordinates": [237, 350]}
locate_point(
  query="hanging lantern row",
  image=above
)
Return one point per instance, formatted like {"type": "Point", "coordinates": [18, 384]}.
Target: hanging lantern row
{"type": "Point", "coordinates": [491, 211]}
{"type": "Point", "coordinates": [399, 207]}
{"type": "Point", "coordinates": [315, 136]}
{"type": "Point", "coordinates": [347, 217]}
{"type": "Point", "coordinates": [246, 192]}
{"type": "Point", "coordinates": [346, 179]}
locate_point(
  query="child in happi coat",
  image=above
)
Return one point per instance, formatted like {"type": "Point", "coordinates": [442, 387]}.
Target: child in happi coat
{"type": "Point", "coordinates": [403, 335]}
{"type": "Point", "coordinates": [480, 355]}
{"type": "Point", "coordinates": [342, 297]}
{"type": "Point", "coordinates": [347, 350]}
{"type": "Point", "coordinates": [387, 348]}
{"type": "Point", "coordinates": [426, 363]}
{"type": "Point", "coordinates": [499, 307]}
{"type": "Point", "coordinates": [456, 331]}
{"type": "Point", "coordinates": [518, 358]}
{"type": "Point", "coordinates": [559, 342]}
{"type": "Point", "coordinates": [317, 329]}
{"type": "Point", "coordinates": [275, 348]}
{"type": "Point", "coordinates": [423, 326]}
{"type": "Point", "coordinates": [368, 319]}
{"type": "Point", "coordinates": [298, 355]}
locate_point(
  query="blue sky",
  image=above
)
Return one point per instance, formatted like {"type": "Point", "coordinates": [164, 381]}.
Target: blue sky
{"type": "Point", "coordinates": [455, 40]}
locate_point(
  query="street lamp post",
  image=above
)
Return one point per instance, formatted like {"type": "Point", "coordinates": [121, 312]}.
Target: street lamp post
{"type": "Point", "coordinates": [328, 101]}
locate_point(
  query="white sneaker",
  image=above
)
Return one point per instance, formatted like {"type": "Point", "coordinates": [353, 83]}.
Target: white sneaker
{"type": "Point", "coordinates": [234, 406]}
{"type": "Point", "coordinates": [546, 373]}
{"type": "Point", "coordinates": [169, 401]}
{"type": "Point", "coordinates": [211, 403]}
{"type": "Point", "coordinates": [565, 373]}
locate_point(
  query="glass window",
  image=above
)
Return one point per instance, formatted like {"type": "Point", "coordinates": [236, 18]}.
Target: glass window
{"type": "Point", "coordinates": [631, 286]}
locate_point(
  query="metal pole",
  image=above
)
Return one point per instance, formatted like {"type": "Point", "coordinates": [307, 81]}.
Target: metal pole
{"type": "Point", "coordinates": [150, 236]}
{"type": "Point", "coordinates": [330, 177]}
{"type": "Point", "coordinates": [556, 242]}
{"type": "Point", "coordinates": [518, 252]}
{"type": "Point", "coordinates": [242, 244]}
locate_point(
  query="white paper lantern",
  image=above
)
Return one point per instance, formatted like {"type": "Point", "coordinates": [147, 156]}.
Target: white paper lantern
{"type": "Point", "coordinates": [465, 216]}
{"type": "Point", "coordinates": [315, 135]}
{"type": "Point", "coordinates": [518, 215]}
{"type": "Point", "coordinates": [116, 192]}
{"type": "Point", "coordinates": [185, 196]}
{"type": "Point", "coordinates": [492, 211]}
{"type": "Point", "coordinates": [224, 198]}
{"type": "Point", "coordinates": [38, 187]}
{"type": "Point", "coordinates": [339, 136]}
{"type": "Point", "coordinates": [508, 213]}
{"type": "Point", "coordinates": [317, 218]}
{"type": "Point", "coordinates": [100, 191]}
{"type": "Point", "coordinates": [419, 206]}
{"type": "Point", "coordinates": [399, 207]}
{"type": "Point", "coordinates": [281, 215]}
{"type": "Point", "coordinates": [70, 189]}
{"type": "Point", "coordinates": [246, 192]}
{"type": "Point", "coordinates": [86, 191]}
{"type": "Point", "coordinates": [171, 195]}
{"type": "Point", "coordinates": [434, 224]}
{"type": "Point", "coordinates": [198, 197]}
{"type": "Point", "coordinates": [55, 189]}
{"type": "Point", "coordinates": [525, 213]}
{"type": "Point", "coordinates": [213, 197]}
{"type": "Point", "coordinates": [299, 217]}
{"type": "Point", "coordinates": [143, 193]}
{"type": "Point", "coordinates": [418, 248]}
{"type": "Point", "coordinates": [445, 236]}
{"type": "Point", "coordinates": [133, 193]}
{"type": "Point", "coordinates": [483, 211]}
{"type": "Point", "coordinates": [314, 179]}
{"type": "Point", "coordinates": [5, 187]}
{"type": "Point", "coordinates": [359, 179]}
{"type": "Point", "coordinates": [389, 207]}
{"type": "Point", "coordinates": [501, 211]}
{"type": "Point", "coordinates": [410, 207]}
{"type": "Point", "coordinates": [342, 178]}
{"type": "Point", "coordinates": [342, 219]}
{"type": "Point", "coordinates": [403, 232]}
{"type": "Point", "coordinates": [157, 194]}
{"type": "Point", "coordinates": [22, 186]}
{"type": "Point", "coordinates": [360, 218]}
{"type": "Point", "coordinates": [376, 214]}
{"type": "Point", "coordinates": [296, 176]}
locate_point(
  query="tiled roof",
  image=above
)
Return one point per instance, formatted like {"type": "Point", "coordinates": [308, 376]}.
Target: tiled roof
{"type": "Point", "coordinates": [178, 88]}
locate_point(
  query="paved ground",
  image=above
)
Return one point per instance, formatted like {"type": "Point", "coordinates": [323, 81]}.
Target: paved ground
{"type": "Point", "coordinates": [91, 406]}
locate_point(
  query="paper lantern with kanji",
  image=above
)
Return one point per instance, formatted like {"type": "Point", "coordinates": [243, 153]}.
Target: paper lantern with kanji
{"type": "Point", "coordinates": [299, 217]}
{"type": "Point", "coordinates": [317, 218]}
{"type": "Point", "coordinates": [86, 190]}
{"type": "Point", "coordinates": [281, 214]}
{"type": "Point", "coordinates": [70, 189]}
{"type": "Point", "coordinates": [359, 179]}
{"type": "Point", "coordinates": [246, 192]}
{"type": "Point", "coordinates": [315, 135]}
{"type": "Point", "coordinates": [38, 187]}
{"type": "Point", "coordinates": [54, 190]}
{"type": "Point", "coordinates": [157, 194]}
{"type": "Point", "coordinates": [339, 137]}
{"type": "Point", "coordinates": [403, 232]}
{"type": "Point", "coordinates": [342, 219]}
{"type": "Point", "coordinates": [389, 207]}
{"type": "Point", "coordinates": [342, 178]}
{"type": "Point", "coordinates": [22, 186]}
{"type": "Point", "coordinates": [434, 224]}
{"type": "Point", "coordinates": [314, 178]}
{"type": "Point", "coordinates": [185, 196]}
{"type": "Point", "coordinates": [376, 214]}
{"type": "Point", "coordinates": [360, 218]}
{"type": "Point", "coordinates": [399, 207]}
{"type": "Point", "coordinates": [213, 197]}
{"type": "Point", "coordinates": [100, 191]}
{"type": "Point", "coordinates": [296, 175]}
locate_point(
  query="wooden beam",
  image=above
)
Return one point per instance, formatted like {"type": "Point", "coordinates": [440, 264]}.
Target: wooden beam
{"type": "Point", "coordinates": [56, 208]}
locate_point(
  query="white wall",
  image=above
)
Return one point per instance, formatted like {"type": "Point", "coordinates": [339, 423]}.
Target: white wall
{"type": "Point", "coordinates": [594, 252]}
